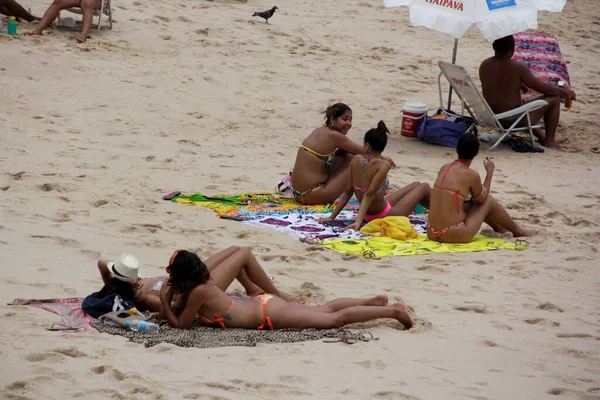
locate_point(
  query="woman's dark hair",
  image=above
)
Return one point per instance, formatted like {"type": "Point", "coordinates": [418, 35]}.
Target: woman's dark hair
{"type": "Point", "coordinates": [335, 111]}
{"type": "Point", "coordinates": [187, 271]}
{"type": "Point", "coordinates": [504, 45]}
{"type": "Point", "coordinates": [467, 147]}
{"type": "Point", "coordinates": [377, 137]}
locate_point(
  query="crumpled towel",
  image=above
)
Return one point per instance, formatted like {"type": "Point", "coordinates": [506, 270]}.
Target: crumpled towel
{"type": "Point", "coordinates": [394, 227]}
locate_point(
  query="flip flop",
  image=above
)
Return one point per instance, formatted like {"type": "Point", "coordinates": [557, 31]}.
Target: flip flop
{"type": "Point", "coordinates": [62, 328]}
{"type": "Point", "coordinates": [309, 240]}
{"type": "Point", "coordinates": [351, 338]}
{"type": "Point", "coordinates": [370, 254]}
{"type": "Point", "coordinates": [521, 244]}
{"type": "Point", "coordinates": [171, 195]}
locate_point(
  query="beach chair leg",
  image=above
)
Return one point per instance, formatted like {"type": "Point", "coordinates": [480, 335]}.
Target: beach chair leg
{"type": "Point", "coordinates": [100, 16]}
{"type": "Point", "coordinates": [109, 17]}
{"type": "Point", "coordinates": [499, 140]}
{"type": "Point", "coordinates": [530, 130]}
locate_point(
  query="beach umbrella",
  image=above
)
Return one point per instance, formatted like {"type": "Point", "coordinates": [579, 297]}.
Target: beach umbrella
{"type": "Point", "coordinates": [494, 18]}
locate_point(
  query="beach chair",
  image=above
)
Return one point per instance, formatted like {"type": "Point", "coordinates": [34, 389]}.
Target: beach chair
{"type": "Point", "coordinates": [104, 9]}
{"type": "Point", "coordinates": [472, 100]}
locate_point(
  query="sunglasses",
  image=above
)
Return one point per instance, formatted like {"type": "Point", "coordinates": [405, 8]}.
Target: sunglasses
{"type": "Point", "coordinates": [168, 267]}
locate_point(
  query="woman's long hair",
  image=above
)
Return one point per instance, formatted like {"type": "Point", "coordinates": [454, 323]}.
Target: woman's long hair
{"type": "Point", "coordinates": [187, 271]}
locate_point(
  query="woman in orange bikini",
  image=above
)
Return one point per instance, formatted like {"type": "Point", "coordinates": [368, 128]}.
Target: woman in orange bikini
{"type": "Point", "coordinates": [146, 291]}
{"type": "Point", "coordinates": [321, 169]}
{"type": "Point", "coordinates": [460, 203]}
{"type": "Point", "coordinates": [189, 277]}
{"type": "Point", "coordinates": [368, 180]}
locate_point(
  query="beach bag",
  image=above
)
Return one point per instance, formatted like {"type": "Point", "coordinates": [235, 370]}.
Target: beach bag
{"type": "Point", "coordinates": [444, 131]}
{"type": "Point", "coordinates": [114, 296]}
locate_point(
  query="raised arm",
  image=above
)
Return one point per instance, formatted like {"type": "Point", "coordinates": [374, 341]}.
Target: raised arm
{"type": "Point", "coordinates": [104, 272]}
{"type": "Point", "coordinates": [343, 142]}
{"type": "Point", "coordinates": [348, 193]}
{"type": "Point", "coordinates": [480, 191]}
{"type": "Point", "coordinates": [549, 90]}
{"type": "Point", "coordinates": [194, 303]}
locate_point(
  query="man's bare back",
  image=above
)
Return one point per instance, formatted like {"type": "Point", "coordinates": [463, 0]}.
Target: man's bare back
{"type": "Point", "coordinates": [502, 80]}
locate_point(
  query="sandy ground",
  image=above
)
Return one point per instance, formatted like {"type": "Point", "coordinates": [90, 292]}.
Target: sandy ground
{"type": "Point", "coordinates": [200, 96]}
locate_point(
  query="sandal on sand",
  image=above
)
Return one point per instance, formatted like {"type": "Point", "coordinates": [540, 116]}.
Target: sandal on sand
{"type": "Point", "coordinates": [370, 254]}
{"type": "Point", "coordinates": [521, 244]}
{"type": "Point", "coordinates": [309, 240]}
{"type": "Point", "coordinates": [351, 338]}
{"type": "Point", "coordinates": [56, 327]}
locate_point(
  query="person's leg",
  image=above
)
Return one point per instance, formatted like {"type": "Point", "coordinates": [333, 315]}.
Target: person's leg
{"type": "Point", "coordinates": [285, 315]}
{"type": "Point", "coordinates": [400, 193]}
{"type": "Point", "coordinates": [215, 260]}
{"type": "Point", "coordinates": [12, 8]}
{"type": "Point", "coordinates": [244, 261]}
{"type": "Point", "coordinates": [345, 302]}
{"type": "Point", "coordinates": [551, 115]}
{"type": "Point", "coordinates": [333, 188]}
{"type": "Point", "coordinates": [52, 12]}
{"type": "Point", "coordinates": [476, 215]}
{"type": "Point", "coordinates": [419, 195]}
{"type": "Point", "coordinates": [87, 7]}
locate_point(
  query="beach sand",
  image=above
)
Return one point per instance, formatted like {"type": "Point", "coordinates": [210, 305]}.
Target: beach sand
{"type": "Point", "coordinates": [200, 96]}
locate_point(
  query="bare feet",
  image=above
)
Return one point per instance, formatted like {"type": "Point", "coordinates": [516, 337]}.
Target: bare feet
{"type": "Point", "coordinates": [555, 144]}
{"type": "Point", "coordinates": [402, 315]}
{"type": "Point", "coordinates": [381, 300]}
{"type": "Point", "coordinates": [525, 233]}
{"type": "Point", "coordinates": [81, 39]}
{"type": "Point", "coordinates": [35, 32]}
{"type": "Point", "coordinates": [292, 299]}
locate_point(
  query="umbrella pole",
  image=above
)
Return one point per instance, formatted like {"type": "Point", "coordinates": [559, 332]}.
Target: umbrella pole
{"type": "Point", "coordinates": [453, 62]}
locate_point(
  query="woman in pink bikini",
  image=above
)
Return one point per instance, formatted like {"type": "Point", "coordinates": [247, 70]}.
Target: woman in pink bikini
{"type": "Point", "coordinates": [460, 203]}
{"type": "Point", "coordinates": [369, 182]}
{"type": "Point", "coordinates": [200, 294]}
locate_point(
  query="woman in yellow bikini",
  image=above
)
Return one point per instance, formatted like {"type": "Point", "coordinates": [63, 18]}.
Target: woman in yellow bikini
{"type": "Point", "coordinates": [201, 296]}
{"type": "Point", "coordinates": [321, 169]}
{"type": "Point", "coordinates": [460, 203]}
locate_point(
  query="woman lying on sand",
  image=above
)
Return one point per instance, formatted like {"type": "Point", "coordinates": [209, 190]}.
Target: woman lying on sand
{"type": "Point", "coordinates": [202, 296]}
{"type": "Point", "coordinates": [460, 204]}
{"type": "Point", "coordinates": [233, 260]}
{"type": "Point", "coordinates": [87, 7]}
{"type": "Point", "coordinates": [368, 180]}
{"type": "Point", "coordinates": [321, 169]}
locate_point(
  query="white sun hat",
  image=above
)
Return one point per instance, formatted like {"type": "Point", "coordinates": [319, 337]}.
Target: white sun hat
{"type": "Point", "coordinates": [126, 269]}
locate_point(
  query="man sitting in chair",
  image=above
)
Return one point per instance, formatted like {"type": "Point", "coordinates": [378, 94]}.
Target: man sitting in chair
{"type": "Point", "coordinates": [501, 81]}
{"type": "Point", "coordinates": [87, 8]}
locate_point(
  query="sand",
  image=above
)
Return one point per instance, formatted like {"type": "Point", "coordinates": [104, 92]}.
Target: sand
{"type": "Point", "coordinates": [200, 96]}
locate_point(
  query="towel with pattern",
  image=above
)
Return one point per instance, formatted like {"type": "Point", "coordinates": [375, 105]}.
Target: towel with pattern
{"type": "Point", "coordinates": [247, 206]}
{"type": "Point", "coordinates": [376, 247]}
{"type": "Point", "coordinates": [69, 309]}
{"type": "Point", "coordinates": [542, 55]}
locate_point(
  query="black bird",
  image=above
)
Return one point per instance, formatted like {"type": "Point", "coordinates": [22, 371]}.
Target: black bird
{"type": "Point", "coordinates": [265, 14]}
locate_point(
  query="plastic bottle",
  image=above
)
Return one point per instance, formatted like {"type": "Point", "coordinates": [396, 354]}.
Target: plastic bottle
{"type": "Point", "coordinates": [142, 326]}
{"type": "Point", "coordinates": [12, 26]}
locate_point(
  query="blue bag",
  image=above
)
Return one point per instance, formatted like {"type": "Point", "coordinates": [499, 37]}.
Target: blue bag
{"type": "Point", "coordinates": [444, 132]}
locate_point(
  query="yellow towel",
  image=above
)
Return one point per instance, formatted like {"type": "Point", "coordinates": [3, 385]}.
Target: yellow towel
{"type": "Point", "coordinates": [398, 228]}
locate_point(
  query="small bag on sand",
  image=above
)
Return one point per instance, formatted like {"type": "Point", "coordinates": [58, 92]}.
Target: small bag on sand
{"type": "Point", "coordinates": [444, 128]}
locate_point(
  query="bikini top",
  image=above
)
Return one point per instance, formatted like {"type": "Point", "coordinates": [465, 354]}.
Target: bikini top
{"type": "Point", "coordinates": [381, 189]}
{"type": "Point", "coordinates": [456, 194]}
{"type": "Point", "coordinates": [326, 158]}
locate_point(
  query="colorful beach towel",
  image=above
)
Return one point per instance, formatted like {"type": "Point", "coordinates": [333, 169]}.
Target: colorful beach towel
{"type": "Point", "coordinates": [69, 309]}
{"type": "Point", "coordinates": [541, 53]}
{"type": "Point", "coordinates": [307, 227]}
{"type": "Point", "coordinates": [384, 246]}
{"type": "Point", "coordinates": [252, 205]}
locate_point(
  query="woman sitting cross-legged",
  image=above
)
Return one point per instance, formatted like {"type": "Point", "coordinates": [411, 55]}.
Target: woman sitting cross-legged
{"type": "Point", "coordinates": [460, 203]}
{"type": "Point", "coordinates": [189, 277]}
{"type": "Point", "coordinates": [369, 182]}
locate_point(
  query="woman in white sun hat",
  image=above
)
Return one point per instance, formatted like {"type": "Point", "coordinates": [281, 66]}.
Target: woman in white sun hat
{"type": "Point", "coordinates": [147, 290]}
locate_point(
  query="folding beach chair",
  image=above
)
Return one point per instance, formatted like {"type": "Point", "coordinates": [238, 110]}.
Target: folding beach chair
{"type": "Point", "coordinates": [104, 9]}
{"type": "Point", "coordinates": [473, 101]}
